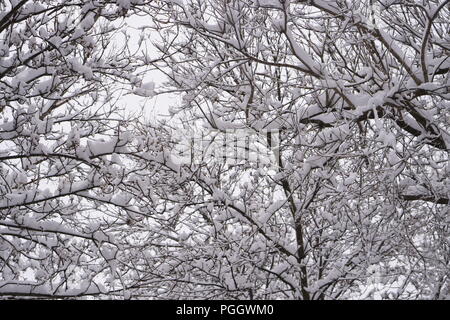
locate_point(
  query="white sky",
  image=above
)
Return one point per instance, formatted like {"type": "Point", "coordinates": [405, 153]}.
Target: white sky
{"type": "Point", "coordinates": [157, 106]}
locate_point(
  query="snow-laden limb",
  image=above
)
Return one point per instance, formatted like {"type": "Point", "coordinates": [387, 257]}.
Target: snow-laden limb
{"type": "Point", "coordinates": [15, 288]}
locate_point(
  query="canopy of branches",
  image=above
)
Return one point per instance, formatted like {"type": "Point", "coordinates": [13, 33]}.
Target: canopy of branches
{"type": "Point", "coordinates": [338, 187]}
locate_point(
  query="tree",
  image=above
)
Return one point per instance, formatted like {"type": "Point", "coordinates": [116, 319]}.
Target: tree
{"type": "Point", "coordinates": [313, 138]}
{"type": "Point", "coordinates": [358, 94]}
{"type": "Point", "coordinates": [64, 141]}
